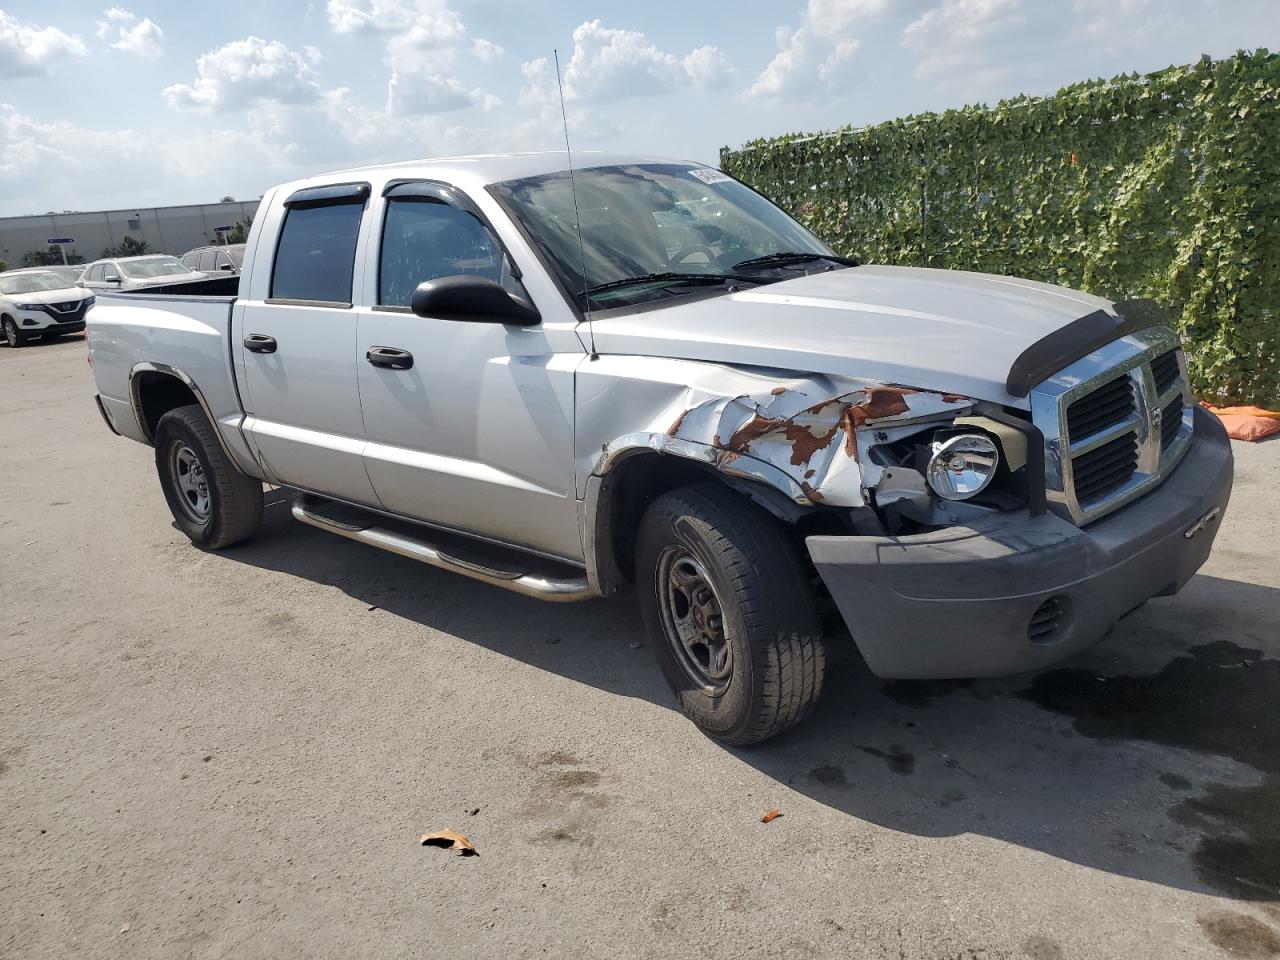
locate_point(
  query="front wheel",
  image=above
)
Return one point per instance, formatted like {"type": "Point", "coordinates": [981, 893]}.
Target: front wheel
{"type": "Point", "coordinates": [212, 502]}
{"type": "Point", "coordinates": [730, 612]}
{"type": "Point", "coordinates": [11, 335]}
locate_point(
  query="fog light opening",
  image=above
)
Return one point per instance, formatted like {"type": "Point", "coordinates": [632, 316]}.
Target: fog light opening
{"type": "Point", "coordinates": [1050, 621]}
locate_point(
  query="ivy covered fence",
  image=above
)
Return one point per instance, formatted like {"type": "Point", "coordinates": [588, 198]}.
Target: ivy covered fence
{"type": "Point", "coordinates": [1164, 186]}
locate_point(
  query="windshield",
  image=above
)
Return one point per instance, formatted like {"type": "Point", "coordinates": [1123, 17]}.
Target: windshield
{"type": "Point", "coordinates": [32, 283]}
{"type": "Point", "coordinates": [653, 219]}
{"type": "Point", "coordinates": [160, 267]}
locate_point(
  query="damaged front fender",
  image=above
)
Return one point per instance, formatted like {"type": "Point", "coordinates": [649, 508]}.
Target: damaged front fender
{"type": "Point", "coordinates": [798, 438]}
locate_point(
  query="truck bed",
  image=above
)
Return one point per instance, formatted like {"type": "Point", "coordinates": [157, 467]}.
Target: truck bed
{"type": "Point", "coordinates": [181, 329]}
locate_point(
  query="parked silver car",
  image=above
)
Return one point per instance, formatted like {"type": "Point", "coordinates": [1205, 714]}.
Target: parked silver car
{"type": "Point", "coordinates": [136, 273]}
{"type": "Point", "coordinates": [224, 259]}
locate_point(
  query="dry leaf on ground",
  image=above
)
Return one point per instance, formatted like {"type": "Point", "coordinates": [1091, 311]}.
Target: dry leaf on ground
{"type": "Point", "coordinates": [450, 840]}
{"type": "Point", "coordinates": [771, 816]}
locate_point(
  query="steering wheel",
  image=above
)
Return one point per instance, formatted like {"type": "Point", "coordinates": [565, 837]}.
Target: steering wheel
{"type": "Point", "coordinates": [681, 255]}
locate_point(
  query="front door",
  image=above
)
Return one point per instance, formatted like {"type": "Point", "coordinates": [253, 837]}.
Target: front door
{"type": "Point", "coordinates": [477, 434]}
{"type": "Point", "coordinates": [295, 338]}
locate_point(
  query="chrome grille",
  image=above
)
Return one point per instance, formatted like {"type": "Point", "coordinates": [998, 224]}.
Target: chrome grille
{"type": "Point", "coordinates": [1115, 423]}
{"type": "Point", "coordinates": [1104, 468]}
{"type": "Point", "coordinates": [1165, 371]}
{"type": "Point", "coordinates": [1170, 423]}
{"type": "Point", "coordinates": [1110, 404]}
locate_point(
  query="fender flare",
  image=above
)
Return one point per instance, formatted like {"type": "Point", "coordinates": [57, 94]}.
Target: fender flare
{"type": "Point", "coordinates": [603, 571]}
{"type": "Point", "coordinates": [164, 369]}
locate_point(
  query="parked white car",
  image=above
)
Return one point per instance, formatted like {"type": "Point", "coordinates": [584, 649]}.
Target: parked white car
{"type": "Point", "coordinates": [123, 274]}
{"type": "Point", "coordinates": [645, 373]}
{"type": "Point", "coordinates": [36, 304]}
{"type": "Point", "coordinates": [70, 273]}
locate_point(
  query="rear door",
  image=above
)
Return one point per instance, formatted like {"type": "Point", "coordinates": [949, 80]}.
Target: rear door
{"type": "Point", "coordinates": [477, 434]}
{"type": "Point", "coordinates": [295, 331]}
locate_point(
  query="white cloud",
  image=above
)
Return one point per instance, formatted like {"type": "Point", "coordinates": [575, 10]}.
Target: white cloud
{"type": "Point", "coordinates": [248, 72]}
{"type": "Point", "coordinates": [422, 92]}
{"type": "Point", "coordinates": [422, 40]}
{"type": "Point", "coordinates": [1180, 29]}
{"type": "Point", "coordinates": [54, 164]}
{"type": "Point", "coordinates": [28, 51]}
{"type": "Point", "coordinates": [818, 51]}
{"type": "Point", "coordinates": [956, 39]}
{"type": "Point", "coordinates": [122, 30]}
{"type": "Point", "coordinates": [611, 64]}
{"type": "Point", "coordinates": [486, 51]}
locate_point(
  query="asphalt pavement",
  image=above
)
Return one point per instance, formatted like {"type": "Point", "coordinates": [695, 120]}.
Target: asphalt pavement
{"type": "Point", "coordinates": [234, 754]}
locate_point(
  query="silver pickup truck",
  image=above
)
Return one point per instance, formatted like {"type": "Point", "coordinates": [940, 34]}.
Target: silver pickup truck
{"type": "Point", "coordinates": [642, 372]}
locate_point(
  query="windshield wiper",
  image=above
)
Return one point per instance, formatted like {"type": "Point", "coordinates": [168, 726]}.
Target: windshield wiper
{"type": "Point", "coordinates": [672, 277]}
{"type": "Point", "coordinates": [784, 257]}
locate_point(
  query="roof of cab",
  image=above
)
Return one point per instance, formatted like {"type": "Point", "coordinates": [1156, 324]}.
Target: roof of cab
{"type": "Point", "coordinates": [481, 170]}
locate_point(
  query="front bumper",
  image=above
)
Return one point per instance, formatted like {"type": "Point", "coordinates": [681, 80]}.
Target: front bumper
{"type": "Point", "coordinates": [31, 322]}
{"type": "Point", "coordinates": [960, 602]}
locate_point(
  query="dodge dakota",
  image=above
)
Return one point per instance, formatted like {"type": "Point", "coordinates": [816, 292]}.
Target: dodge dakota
{"type": "Point", "coordinates": [640, 372]}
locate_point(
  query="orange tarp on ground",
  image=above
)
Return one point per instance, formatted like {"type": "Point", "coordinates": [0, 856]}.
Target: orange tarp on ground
{"type": "Point", "coordinates": [1247, 423]}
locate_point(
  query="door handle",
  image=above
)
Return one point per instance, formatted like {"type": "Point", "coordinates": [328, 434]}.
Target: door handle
{"type": "Point", "coordinates": [260, 343]}
{"type": "Point", "coordinates": [389, 357]}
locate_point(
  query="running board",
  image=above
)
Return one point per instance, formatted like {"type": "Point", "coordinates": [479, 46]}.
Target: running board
{"type": "Point", "coordinates": [359, 526]}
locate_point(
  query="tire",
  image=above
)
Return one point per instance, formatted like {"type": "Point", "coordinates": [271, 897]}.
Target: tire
{"type": "Point", "coordinates": [212, 502]}
{"type": "Point", "coordinates": [764, 674]}
{"type": "Point", "coordinates": [11, 335]}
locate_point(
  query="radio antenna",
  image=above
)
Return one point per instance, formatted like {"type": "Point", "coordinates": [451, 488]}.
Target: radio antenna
{"type": "Point", "coordinates": [577, 217]}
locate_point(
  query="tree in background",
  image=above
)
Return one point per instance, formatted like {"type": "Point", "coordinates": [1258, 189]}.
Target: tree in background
{"type": "Point", "coordinates": [239, 233]}
{"type": "Point", "coordinates": [128, 247]}
{"type": "Point", "coordinates": [3, 266]}
{"type": "Point", "coordinates": [51, 257]}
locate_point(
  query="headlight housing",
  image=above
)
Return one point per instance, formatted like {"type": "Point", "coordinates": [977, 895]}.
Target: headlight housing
{"type": "Point", "coordinates": [962, 466]}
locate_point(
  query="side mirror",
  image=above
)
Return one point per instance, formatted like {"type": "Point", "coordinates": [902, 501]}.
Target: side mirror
{"type": "Point", "coordinates": [227, 267]}
{"type": "Point", "coordinates": [111, 278]}
{"type": "Point", "coordinates": [471, 298]}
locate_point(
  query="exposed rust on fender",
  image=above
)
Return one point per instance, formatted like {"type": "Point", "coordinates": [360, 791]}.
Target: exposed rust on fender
{"type": "Point", "coordinates": [812, 492]}
{"type": "Point", "coordinates": [816, 444]}
{"type": "Point", "coordinates": [749, 432]}
{"type": "Point", "coordinates": [881, 402]}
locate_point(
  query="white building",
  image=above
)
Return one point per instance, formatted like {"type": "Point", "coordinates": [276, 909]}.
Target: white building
{"type": "Point", "coordinates": [172, 230]}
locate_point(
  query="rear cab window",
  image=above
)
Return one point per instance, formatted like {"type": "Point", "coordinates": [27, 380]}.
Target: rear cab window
{"type": "Point", "coordinates": [316, 251]}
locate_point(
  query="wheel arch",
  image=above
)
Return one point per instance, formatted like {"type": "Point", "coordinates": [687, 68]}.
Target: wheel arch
{"type": "Point", "coordinates": [641, 467]}
{"type": "Point", "coordinates": [157, 388]}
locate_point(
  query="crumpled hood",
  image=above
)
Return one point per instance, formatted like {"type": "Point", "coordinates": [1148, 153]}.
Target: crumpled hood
{"type": "Point", "coordinates": [942, 330]}
{"type": "Point", "coordinates": [65, 295]}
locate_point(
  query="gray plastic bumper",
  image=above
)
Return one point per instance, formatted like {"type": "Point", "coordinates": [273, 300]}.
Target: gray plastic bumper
{"type": "Point", "coordinates": [959, 602]}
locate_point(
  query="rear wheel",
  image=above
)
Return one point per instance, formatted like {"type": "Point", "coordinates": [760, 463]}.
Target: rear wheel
{"type": "Point", "coordinates": [212, 502]}
{"type": "Point", "coordinates": [730, 612]}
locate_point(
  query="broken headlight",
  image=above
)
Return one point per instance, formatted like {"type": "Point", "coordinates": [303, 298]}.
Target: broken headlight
{"type": "Point", "coordinates": [962, 466]}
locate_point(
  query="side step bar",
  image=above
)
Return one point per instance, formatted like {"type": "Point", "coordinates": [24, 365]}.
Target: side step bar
{"type": "Point", "coordinates": [309, 510]}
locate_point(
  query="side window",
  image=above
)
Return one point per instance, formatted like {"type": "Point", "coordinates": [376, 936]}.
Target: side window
{"type": "Point", "coordinates": [94, 272]}
{"type": "Point", "coordinates": [110, 271]}
{"type": "Point", "coordinates": [189, 260]}
{"type": "Point", "coordinates": [316, 254]}
{"type": "Point", "coordinates": [424, 240]}
{"type": "Point", "coordinates": [207, 261]}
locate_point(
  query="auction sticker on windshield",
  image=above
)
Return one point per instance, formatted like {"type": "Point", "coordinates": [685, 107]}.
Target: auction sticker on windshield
{"type": "Point", "coordinates": [707, 175]}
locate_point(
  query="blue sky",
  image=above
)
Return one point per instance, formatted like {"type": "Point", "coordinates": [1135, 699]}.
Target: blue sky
{"type": "Point", "coordinates": [158, 103]}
